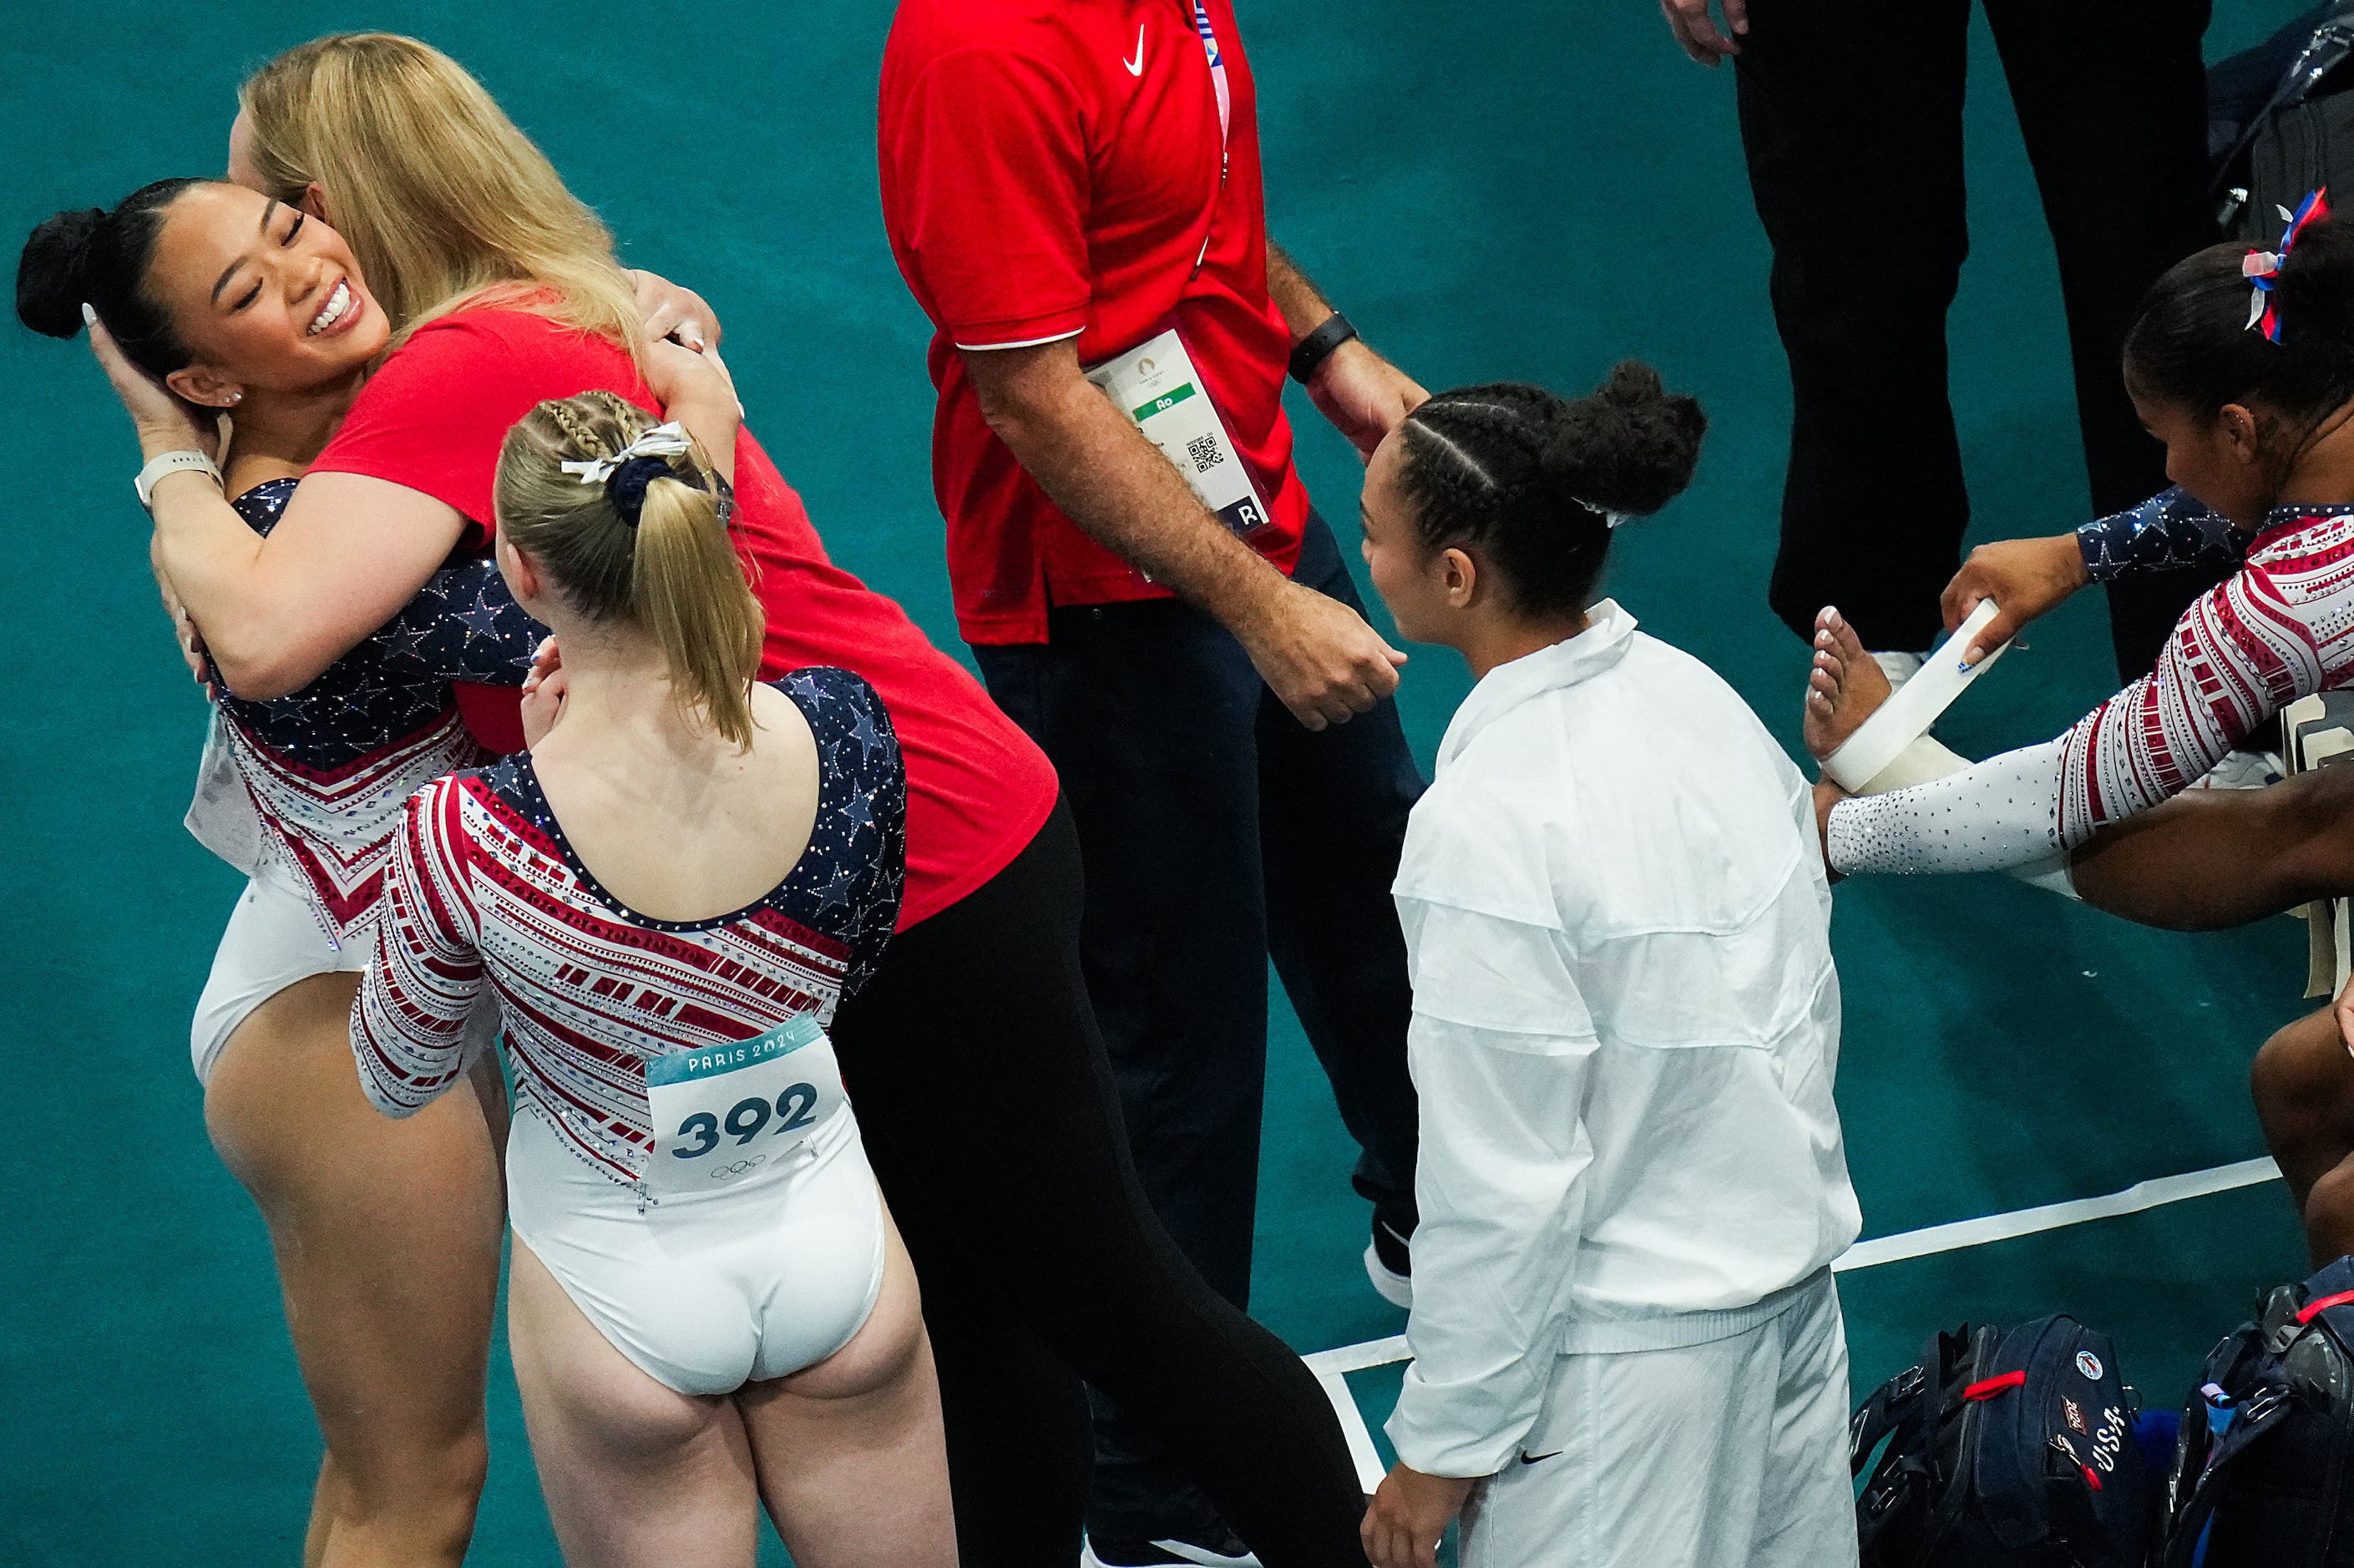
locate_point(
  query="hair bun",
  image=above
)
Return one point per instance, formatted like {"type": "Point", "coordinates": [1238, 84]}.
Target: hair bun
{"type": "Point", "coordinates": [52, 276]}
{"type": "Point", "coordinates": [1629, 447]}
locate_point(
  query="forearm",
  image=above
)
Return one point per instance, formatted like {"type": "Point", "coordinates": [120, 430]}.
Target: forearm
{"type": "Point", "coordinates": [2215, 858]}
{"type": "Point", "coordinates": [1503, 1179]}
{"type": "Point", "coordinates": [1119, 488]}
{"type": "Point", "coordinates": [206, 560]}
{"type": "Point", "coordinates": [713, 421]}
{"type": "Point", "coordinates": [1303, 304]}
{"type": "Point", "coordinates": [2172, 530]}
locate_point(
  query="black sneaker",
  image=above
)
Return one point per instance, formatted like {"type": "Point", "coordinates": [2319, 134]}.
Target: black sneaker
{"type": "Point", "coordinates": [1390, 1264]}
{"type": "Point", "coordinates": [1225, 1549]}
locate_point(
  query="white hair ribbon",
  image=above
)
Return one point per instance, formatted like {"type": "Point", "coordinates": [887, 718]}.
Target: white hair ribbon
{"type": "Point", "coordinates": [662, 440]}
{"type": "Point", "coordinates": [1611, 519]}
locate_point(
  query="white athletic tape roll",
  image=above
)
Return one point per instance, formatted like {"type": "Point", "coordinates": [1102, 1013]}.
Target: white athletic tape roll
{"type": "Point", "coordinates": [1907, 716]}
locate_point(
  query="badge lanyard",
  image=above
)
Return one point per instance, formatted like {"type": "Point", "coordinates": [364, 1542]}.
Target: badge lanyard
{"type": "Point", "coordinates": [1225, 116]}
{"type": "Point", "coordinates": [1155, 384]}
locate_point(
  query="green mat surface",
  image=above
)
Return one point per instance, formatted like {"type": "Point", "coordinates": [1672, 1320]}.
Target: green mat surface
{"type": "Point", "coordinates": [1510, 188]}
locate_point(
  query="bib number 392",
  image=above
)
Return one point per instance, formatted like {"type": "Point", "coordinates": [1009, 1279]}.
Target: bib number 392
{"type": "Point", "coordinates": [725, 1116]}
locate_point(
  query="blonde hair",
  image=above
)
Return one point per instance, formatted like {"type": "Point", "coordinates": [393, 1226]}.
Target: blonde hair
{"type": "Point", "coordinates": [674, 575]}
{"type": "Point", "coordinates": [444, 201]}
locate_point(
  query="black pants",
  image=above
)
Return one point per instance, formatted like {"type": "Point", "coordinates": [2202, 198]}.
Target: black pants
{"type": "Point", "coordinates": [1852, 115]}
{"type": "Point", "coordinates": [988, 1113]}
{"type": "Point", "coordinates": [1219, 832]}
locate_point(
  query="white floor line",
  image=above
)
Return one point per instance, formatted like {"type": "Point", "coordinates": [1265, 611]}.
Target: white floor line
{"type": "Point", "coordinates": [1332, 1366]}
{"type": "Point", "coordinates": [2154, 1193]}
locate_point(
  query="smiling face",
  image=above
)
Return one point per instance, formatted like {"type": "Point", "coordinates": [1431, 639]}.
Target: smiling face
{"type": "Point", "coordinates": [264, 297]}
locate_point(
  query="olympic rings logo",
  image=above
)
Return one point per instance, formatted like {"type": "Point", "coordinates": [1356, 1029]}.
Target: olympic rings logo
{"type": "Point", "coordinates": [721, 1173]}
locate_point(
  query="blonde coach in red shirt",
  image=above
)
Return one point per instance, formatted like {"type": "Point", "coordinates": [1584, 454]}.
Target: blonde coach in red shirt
{"type": "Point", "coordinates": [1065, 182]}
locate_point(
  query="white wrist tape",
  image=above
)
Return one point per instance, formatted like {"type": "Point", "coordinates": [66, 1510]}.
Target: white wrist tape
{"type": "Point", "coordinates": [1926, 758]}
{"type": "Point", "coordinates": [1907, 714]}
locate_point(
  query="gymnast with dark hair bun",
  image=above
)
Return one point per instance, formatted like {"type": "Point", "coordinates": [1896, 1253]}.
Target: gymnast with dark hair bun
{"type": "Point", "coordinates": [1626, 1029]}
{"type": "Point", "coordinates": [2241, 361]}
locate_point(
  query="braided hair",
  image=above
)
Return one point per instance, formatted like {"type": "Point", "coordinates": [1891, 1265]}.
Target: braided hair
{"type": "Point", "coordinates": [667, 568]}
{"type": "Point", "coordinates": [1532, 480]}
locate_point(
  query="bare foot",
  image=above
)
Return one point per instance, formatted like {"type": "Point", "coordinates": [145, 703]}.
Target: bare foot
{"type": "Point", "coordinates": [1846, 686]}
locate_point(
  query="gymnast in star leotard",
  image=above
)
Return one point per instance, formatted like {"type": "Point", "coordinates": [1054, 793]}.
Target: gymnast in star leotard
{"type": "Point", "coordinates": [667, 897]}
{"type": "Point", "coordinates": [319, 788]}
{"type": "Point", "coordinates": [387, 1237]}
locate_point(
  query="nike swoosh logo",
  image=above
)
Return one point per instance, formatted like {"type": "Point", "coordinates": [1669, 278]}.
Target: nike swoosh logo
{"type": "Point", "coordinates": [1136, 66]}
{"type": "Point", "coordinates": [1528, 1459]}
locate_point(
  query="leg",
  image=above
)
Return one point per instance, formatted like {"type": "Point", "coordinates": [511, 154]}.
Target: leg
{"type": "Point", "coordinates": [1020, 1443]}
{"type": "Point", "coordinates": [634, 1473]}
{"type": "Point", "coordinates": [2112, 99]}
{"type": "Point", "coordinates": [387, 1235]}
{"type": "Point", "coordinates": [1731, 1452]}
{"type": "Point", "coordinates": [983, 1004]}
{"type": "Point", "coordinates": [1333, 807]}
{"type": "Point", "coordinates": [1148, 712]}
{"type": "Point", "coordinates": [849, 1452]}
{"type": "Point", "coordinates": [1807, 1513]}
{"type": "Point", "coordinates": [1852, 119]}
{"type": "Point", "coordinates": [2209, 859]}
{"type": "Point", "coordinates": [2302, 1083]}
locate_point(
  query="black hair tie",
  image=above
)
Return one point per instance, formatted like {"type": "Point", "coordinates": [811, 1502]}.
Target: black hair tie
{"type": "Point", "coordinates": [627, 485]}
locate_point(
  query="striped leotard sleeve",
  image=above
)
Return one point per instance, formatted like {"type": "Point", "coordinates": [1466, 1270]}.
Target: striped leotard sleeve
{"type": "Point", "coordinates": [2280, 629]}
{"type": "Point", "coordinates": [408, 1022]}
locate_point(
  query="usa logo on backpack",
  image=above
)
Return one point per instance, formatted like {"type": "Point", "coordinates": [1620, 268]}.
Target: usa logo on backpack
{"type": "Point", "coordinates": [2006, 1448]}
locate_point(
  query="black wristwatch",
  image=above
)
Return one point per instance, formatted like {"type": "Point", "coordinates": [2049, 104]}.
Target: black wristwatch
{"type": "Point", "coordinates": [1317, 346]}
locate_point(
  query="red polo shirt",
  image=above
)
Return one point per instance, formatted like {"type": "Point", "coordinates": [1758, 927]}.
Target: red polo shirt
{"type": "Point", "coordinates": [1051, 169]}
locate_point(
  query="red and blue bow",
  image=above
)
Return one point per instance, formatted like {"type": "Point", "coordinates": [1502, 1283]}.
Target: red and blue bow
{"type": "Point", "coordinates": [2260, 267]}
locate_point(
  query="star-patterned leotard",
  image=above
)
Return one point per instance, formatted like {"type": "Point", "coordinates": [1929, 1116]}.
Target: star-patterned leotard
{"type": "Point", "coordinates": [486, 889]}
{"type": "Point", "coordinates": [328, 767]}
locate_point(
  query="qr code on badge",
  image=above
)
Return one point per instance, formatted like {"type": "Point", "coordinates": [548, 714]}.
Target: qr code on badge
{"type": "Point", "coordinates": [1204, 450]}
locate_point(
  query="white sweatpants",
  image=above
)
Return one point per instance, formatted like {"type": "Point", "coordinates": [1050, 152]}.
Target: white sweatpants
{"type": "Point", "coordinates": [1727, 1455]}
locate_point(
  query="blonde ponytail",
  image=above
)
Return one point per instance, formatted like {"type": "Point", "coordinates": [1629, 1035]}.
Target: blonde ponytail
{"type": "Point", "coordinates": [674, 575]}
{"type": "Point", "coordinates": [689, 591]}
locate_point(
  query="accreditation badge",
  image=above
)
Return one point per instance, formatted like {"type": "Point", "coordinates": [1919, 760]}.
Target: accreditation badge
{"type": "Point", "coordinates": [727, 1116]}
{"type": "Point", "coordinates": [1156, 386]}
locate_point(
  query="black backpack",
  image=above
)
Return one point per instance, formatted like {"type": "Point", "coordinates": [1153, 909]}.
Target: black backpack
{"type": "Point", "coordinates": [2006, 1446]}
{"type": "Point", "coordinates": [2261, 1470]}
{"type": "Point", "coordinates": [2280, 122]}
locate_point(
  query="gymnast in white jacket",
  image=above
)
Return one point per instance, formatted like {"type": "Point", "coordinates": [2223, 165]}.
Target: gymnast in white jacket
{"type": "Point", "coordinates": [1627, 1347]}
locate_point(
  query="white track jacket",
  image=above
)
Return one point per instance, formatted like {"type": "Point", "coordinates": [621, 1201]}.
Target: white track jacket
{"type": "Point", "coordinates": [1625, 1027]}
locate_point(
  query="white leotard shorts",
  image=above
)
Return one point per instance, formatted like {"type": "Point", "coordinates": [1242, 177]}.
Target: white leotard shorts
{"type": "Point", "coordinates": [708, 1292]}
{"type": "Point", "coordinates": [272, 940]}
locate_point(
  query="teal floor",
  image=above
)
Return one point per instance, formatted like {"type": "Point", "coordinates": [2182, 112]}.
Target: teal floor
{"type": "Point", "coordinates": [1513, 187]}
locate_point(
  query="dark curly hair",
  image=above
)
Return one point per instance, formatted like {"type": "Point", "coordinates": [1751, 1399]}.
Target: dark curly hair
{"type": "Point", "coordinates": [1527, 478]}
{"type": "Point", "coordinates": [2190, 345]}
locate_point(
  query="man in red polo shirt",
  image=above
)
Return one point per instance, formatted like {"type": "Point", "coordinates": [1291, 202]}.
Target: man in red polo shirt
{"type": "Point", "coordinates": [1071, 189]}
